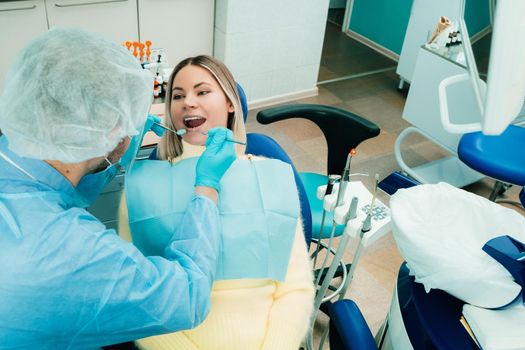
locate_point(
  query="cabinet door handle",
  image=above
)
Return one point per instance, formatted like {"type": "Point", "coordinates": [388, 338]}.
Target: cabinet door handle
{"type": "Point", "coordinates": [18, 9]}
{"type": "Point", "coordinates": [89, 3]}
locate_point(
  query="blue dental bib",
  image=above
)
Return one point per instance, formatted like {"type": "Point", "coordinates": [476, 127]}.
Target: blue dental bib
{"type": "Point", "coordinates": [258, 205]}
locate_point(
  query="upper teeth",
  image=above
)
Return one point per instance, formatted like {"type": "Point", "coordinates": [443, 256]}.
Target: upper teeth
{"type": "Point", "coordinates": [192, 118]}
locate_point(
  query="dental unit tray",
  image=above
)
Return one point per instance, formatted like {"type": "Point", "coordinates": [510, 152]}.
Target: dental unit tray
{"type": "Point", "coordinates": [380, 212]}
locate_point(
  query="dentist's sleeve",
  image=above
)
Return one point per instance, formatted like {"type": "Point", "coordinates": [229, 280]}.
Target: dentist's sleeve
{"type": "Point", "coordinates": [143, 296]}
{"type": "Point", "coordinates": [196, 244]}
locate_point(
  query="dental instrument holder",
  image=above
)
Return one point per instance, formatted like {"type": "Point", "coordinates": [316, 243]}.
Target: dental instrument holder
{"type": "Point", "coordinates": [332, 179]}
{"type": "Point", "coordinates": [380, 218]}
{"type": "Point", "coordinates": [511, 254]}
{"type": "Point", "coordinates": [379, 225]}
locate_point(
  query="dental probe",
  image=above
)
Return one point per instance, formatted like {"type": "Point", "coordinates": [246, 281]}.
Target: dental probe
{"type": "Point", "coordinates": [173, 131]}
{"type": "Point", "coordinates": [181, 132]}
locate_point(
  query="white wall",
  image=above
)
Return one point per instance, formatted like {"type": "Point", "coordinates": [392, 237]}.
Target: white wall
{"type": "Point", "coordinates": [272, 47]}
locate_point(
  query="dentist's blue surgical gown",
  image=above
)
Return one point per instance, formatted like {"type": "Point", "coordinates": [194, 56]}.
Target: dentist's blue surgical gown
{"type": "Point", "coordinates": [66, 282]}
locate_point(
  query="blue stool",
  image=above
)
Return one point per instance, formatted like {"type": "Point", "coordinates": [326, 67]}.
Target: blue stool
{"type": "Point", "coordinates": [499, 157]}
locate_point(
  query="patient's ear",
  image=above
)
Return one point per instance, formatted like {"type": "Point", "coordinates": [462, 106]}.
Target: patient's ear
{"type": "Point", "coordinates": [231, 109]}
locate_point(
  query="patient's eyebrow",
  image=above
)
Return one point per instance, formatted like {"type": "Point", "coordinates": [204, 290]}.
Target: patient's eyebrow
{"type": "Point", "coordinates": [194, 86]}
{"type": "Point", "coordinates": [201, 83]}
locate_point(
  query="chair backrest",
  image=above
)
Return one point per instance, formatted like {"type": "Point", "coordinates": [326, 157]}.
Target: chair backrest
{"type": "Point", "coordinates": [244, 101]}
{"type": "Point", "coordinates": [343, 130]}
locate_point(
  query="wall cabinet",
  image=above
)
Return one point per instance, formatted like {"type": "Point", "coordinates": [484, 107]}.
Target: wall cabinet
{"type": "Point", "coordinates": [20, 22]}
{"type": "Point", "coordinates": [115, 19]}
{"type": "Point", "coordinates": [181, 27]}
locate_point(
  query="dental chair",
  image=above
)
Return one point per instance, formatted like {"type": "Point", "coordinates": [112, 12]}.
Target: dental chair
{"type": "Point", "coordinates": [343, 131]}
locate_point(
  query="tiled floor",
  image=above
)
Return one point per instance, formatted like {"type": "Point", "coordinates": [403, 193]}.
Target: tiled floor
{"type": "Point", "coordinates": [376, 98]}
{"type": "Point", "coordinates": [343, 56]}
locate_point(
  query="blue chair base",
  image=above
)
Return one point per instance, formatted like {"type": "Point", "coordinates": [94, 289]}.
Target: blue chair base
{"type": "Point", "coordinates": [311, 182]}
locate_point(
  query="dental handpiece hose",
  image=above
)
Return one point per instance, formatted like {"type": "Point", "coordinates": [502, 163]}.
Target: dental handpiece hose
{"type": "Point", "coordinates": [367, 224]}
{"type": "Point", "coordinates": [332, 179]}
{"type": "Point", "coordinates": [366, 227]}
{"type": "Point", "coordinates": [350, 215]}
{"type": "Point", "coordinates": [345, 178]}
{"type": "Point", "coordinates": [323, 265]}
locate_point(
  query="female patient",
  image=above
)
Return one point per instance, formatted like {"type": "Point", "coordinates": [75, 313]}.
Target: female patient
{"type": "Point", "coordinates": [256, 302]}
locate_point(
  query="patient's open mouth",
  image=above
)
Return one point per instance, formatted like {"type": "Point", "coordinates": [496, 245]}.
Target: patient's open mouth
{"type": "Point", "coordinates": [193, 122]}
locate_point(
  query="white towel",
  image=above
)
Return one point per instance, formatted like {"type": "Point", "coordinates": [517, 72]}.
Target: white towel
{"type": "Point", "coordinates": [502, 329]}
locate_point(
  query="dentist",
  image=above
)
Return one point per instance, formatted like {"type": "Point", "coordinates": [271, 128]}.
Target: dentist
{"type": "Point", "coordinates": [71, 103]}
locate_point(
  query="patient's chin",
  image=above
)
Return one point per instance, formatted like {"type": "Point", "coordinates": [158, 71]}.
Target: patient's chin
{"type": "Point", "coordinates": [195, 140]}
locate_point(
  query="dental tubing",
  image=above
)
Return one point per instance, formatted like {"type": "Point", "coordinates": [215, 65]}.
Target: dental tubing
{"type": "Point", "coordinates": [332, 179]}
{"type": "Point", "coordinates": [345, 179]}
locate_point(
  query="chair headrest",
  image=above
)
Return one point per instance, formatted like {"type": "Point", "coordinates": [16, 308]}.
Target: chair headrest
{"type": "Point", "coordinates": [244, 101]}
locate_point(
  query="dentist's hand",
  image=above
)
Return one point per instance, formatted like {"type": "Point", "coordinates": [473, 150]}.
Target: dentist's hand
{"type": "Point", "coordinates": [216, 159]}
{"type": "Point", "coordinates": [133, 148]}
{"type": "Point", "coordinates": [150, 125]}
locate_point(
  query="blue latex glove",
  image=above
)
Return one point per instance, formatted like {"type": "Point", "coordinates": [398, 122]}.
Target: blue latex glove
{"type": "Point", "coordinates": [216, 159]}
{"type": "Point", "coordinates": [136, 141]}
{"type": "Point", "coordinates": [159, 131]}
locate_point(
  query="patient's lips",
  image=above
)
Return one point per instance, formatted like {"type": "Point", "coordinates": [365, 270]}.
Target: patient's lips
{"type": "Point", "coordinates": [193, 121]}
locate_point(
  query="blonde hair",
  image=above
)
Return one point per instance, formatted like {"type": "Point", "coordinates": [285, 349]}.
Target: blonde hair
{"type": "Point", "coordinates": [170, 146]}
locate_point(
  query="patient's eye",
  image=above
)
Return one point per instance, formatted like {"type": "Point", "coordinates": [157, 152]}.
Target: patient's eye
{"type": "Point", "coordinates": [176, 97]}
{"type": "Point", "coordinates": [203, 92]}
